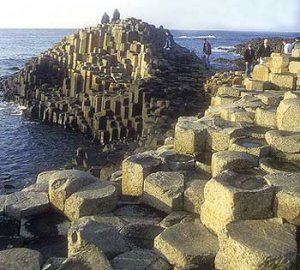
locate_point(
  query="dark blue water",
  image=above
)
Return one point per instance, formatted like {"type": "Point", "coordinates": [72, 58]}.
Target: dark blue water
{"type": "Point", "coordinates": [19, 45]}
{"type": "Point", "coordinates": [27, 148]}
{"type": "Point", "coordinates": [221, 41]}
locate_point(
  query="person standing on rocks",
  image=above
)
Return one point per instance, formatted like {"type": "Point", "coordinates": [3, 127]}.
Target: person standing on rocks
{"type": "Point", "coordinates": [206, 53]}
{"type": "Point", "coordinates": [287, 47]}
{"type": "Point", "coordinates": [264, 51]}
{"type": "Point", "coordinates": [169, 38]}
{"type": "Point", "coordinates": [249, 57]}
{"type": "Point", "coordinates": [116, 16]}
{"type": "Point", "coordinates": [296, 44]}
{"type": "Point", "coordinates": [105, 18]}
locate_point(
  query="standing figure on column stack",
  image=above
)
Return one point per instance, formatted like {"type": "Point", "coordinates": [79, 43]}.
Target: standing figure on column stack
{"type": "Point", "coordinates": [116, 16]}
{"type": "Point", "coordinates": [105, 18]}
{"type": "Point", "coordinates": [206, 53]}
{"type": "Point", "coordinates": [169, 40]}
{"type": "Point", "coordinates": [287, 47]}
{"type": "Point", "coordinates": [264, 51]}
{"type": "Point", "coordinates": [249, 57]}
{"type": "Point", "coordinates": [296, 44]}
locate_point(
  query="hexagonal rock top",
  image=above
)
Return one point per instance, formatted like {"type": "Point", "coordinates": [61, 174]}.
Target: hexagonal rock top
{"type": "Point", "coordinates": [190, 136]}
{"type": "Point", "coordinates": [91, 258]}
{"type": "Point", "coordinates": [103, 236]}
{"type": "Point", "coordinates": [277, 165]}
{"type": "Point", "coordinates": [234, 196]}
{"type": "Point", "coordinates": [22, 204]}
{"type": "Point", "coordinates": [20, 258]}
{"type": "Point", "coordinates": [220, 132]}
{"type": "Point", "coordinates": [134, 171]}
{"type": "Point", "coordinates": [140, 259]}
{"type": "Point", "coordinates": [254, 146]}
{"type": "Point", "coordinates": [63, 184]}
{"type": "Point", "coordinates": [188, 245]}
{"type": "Point", "coordinates": [231, 160]}
{"type": "Point", "coordinates": [285, 141]}
{"type": "Point", "coordinates": [77, 193]}
{"type": "Point", "coordinates": [287, 201]}
{"type": "Point", "coordinates": [94, 199]}
{"type": "Point", "coordinates": [180, 162]}
{"type": "Point", "coordinates": [288, 113]}
{"type": "Point", "coordinates": [164, 191]}
{"type": "Point", "coordinates": [257, 244]}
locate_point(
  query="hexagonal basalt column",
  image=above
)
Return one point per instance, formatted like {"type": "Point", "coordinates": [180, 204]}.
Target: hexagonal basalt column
{"type": "Point", "coordinates": [275, 165]}
{"type": "Point", "coordinates": [179, 162]}
{"type": "Point", "coordinates": [231, 160]}
{"type": "Point", "coordinates": [226, 90]}
{"type": "Point", "coordinates": [284, 141]}
{"type": "Point", "coordinates": [261, 73]}
{"type": "Point", "coordinates": [257, 244]}
{"type": "Point", "coordinates": [63, 184]}
{"type": "Point", "coordinates": [188, 246]}
{"type": "Point", "coordinates": [265, 117]}
{"type": "Point", "coordinates": [288, 115]}
{"type": "Point", "coordinates": [106, 237]}
{"type": "Point", "coordinates": [194, 196]}
{"type": "Point", "coordinates": [164, 191]}
{"type": "Point", "coordinates": [97, 198]}
{"type": "Point", "coordinates": [190, 136]}
{"type": "Point", "coordinates": [250, 145]}
{"type": "Point", "coordinates": [220, 132]}
{"type": "Point", "coordinates": [135, 169]}
{"type": "Point", "coordinates": [234, 196]}
{"type": "Point", "coordinates": [287, 201]}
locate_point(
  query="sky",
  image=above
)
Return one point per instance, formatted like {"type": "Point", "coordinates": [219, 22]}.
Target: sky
{"type": "Point", "coordinates": [257, 15]}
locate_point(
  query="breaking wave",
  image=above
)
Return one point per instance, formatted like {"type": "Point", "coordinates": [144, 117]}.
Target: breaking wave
{"type": "Point", "coordinates": [196, 37]}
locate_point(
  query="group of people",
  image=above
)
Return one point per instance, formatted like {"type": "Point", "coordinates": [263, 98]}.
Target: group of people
{"type": "Point", "coordinates": [115, 18]}
{"type": "Point", "coordinates": [265, 51]}
{"type": "Point", "coordinates": [250, 56]}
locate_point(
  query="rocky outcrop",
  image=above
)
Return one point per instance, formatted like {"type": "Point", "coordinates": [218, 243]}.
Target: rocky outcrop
{"type": "Point", "coordinates": [21, 258]}
{"type": "Point", "coordinates": [140, 259]}
{"type": "Point", "coordinates": [261, 244]}
{"type": "Point", "coordinates": [188, 245]}
{"type": "Point", "coordinates": [113, 81]}
{"type": "Point", "coordinates": [223, 193]}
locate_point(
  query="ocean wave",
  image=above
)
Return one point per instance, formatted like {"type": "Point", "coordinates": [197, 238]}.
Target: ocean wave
{"type": "Point", "coordinates": [196, 37]}
{"type": "Point", "coordinates": [223, 49]}
{"type": "Point", "coordinates": [22, 107]}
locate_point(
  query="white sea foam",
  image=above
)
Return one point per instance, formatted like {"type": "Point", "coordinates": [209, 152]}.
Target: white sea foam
{"type": "Point", "coordinates": [196, 37]}
{"type": "Point", "coordinates": [22, 107]}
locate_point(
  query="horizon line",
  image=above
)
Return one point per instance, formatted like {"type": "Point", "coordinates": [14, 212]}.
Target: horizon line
{"type": "Point", "coordinates": [171, 29]}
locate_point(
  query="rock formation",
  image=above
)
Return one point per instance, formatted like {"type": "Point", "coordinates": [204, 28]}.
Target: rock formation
{"type": "Point", "coordinates": [224, 193]}
{"type": "Point", "coordinates": [113, 81]}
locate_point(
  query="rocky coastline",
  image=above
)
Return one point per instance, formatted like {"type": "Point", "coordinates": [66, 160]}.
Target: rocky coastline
{"type": "Point", "coordinates": [239, 63]}
{"type": "Point", "coordinates": [222, 192]}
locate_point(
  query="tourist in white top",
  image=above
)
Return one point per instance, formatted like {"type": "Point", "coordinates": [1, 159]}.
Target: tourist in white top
{"type": "Point", "coordinates": [287, 47]}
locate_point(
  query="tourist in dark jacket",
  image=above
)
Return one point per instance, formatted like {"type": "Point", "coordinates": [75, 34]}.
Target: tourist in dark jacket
{"type": "Point", "coordinates": [169, 41]}
{"type": "Point", "coordinates": [116, 16]}
{"type": "Point", "coordinates": [105, 18]}
{"type": "Point", "coordinates": [264, 51]}
{"type": "Point", "coordinates": [206, 53]}
{"type": "Point", "coordinates": [249, 57]}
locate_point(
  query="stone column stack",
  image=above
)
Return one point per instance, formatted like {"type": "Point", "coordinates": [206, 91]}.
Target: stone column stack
{"type": "Point", "coordinates": [96, 72]}
{"type": "Point", "coordinates": [237, 169]}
